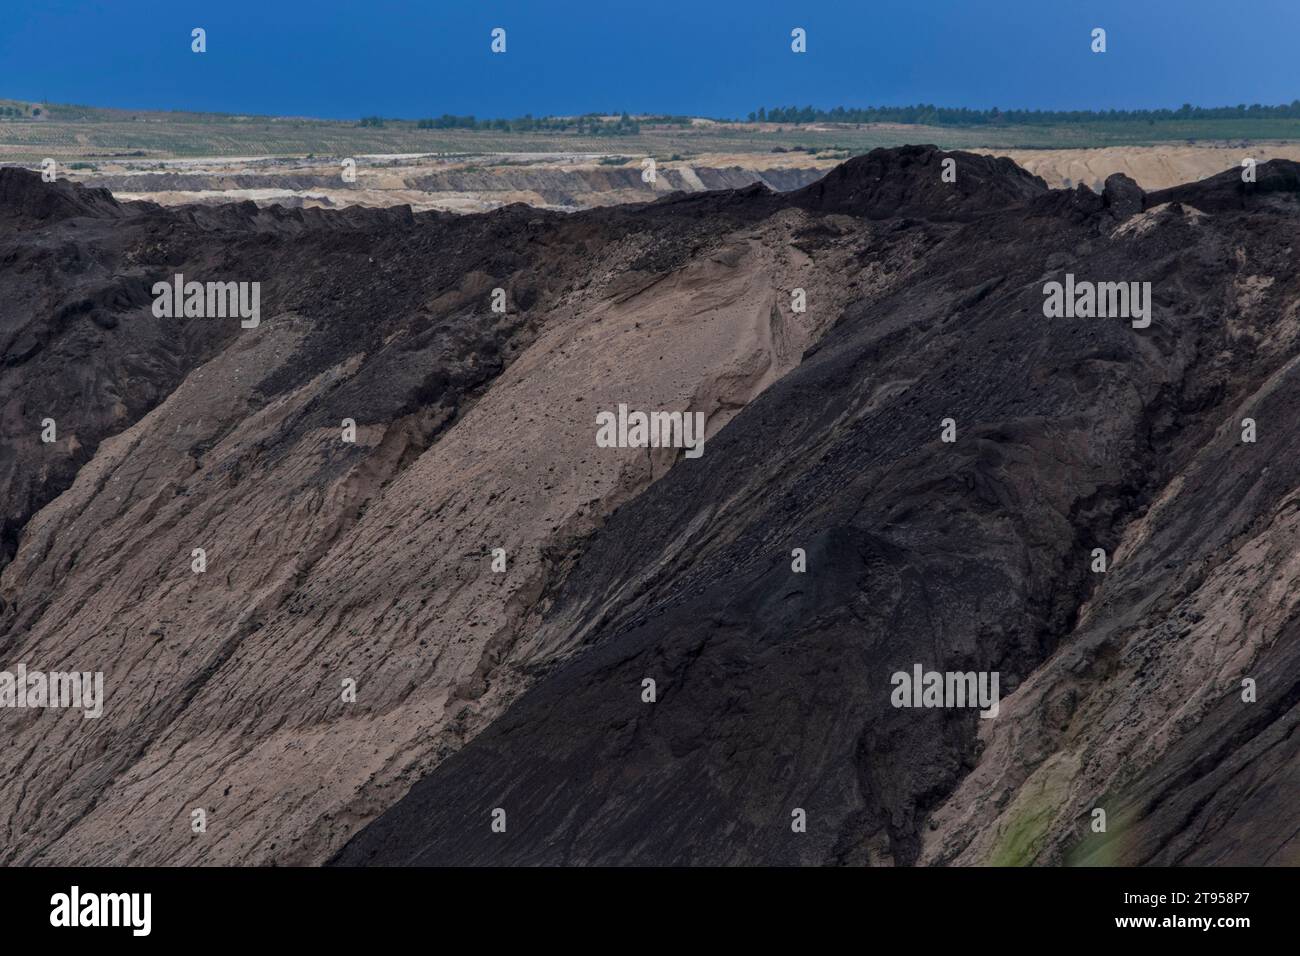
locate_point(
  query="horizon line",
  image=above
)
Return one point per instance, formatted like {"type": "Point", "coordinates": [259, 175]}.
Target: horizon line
{"type": "Point", "coordinates": [1161, 112]}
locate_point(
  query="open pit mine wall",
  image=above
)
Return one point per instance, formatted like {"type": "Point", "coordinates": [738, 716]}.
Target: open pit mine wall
{"type": "Point", "coordinates": [475, 188]}
{"type": "Point", "coordinates": [370, 562]}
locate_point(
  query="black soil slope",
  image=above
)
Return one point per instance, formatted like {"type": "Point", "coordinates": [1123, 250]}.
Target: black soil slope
{"type": "Point", "coordinates": [909, 181]}
{"type": "Point", "coordinates": [773, 687]}
{"type": "Point", "coordinates": [1275, 182]}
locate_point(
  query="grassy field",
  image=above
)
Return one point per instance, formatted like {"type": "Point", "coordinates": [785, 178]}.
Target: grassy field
{"type": "Point", "coordinates": [67, 132]}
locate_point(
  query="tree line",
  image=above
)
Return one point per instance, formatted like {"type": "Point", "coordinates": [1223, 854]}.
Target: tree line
{"type": "Point", "coordinates": [589, 124]}
{"type": "Point", "coordinates": [930, 115]}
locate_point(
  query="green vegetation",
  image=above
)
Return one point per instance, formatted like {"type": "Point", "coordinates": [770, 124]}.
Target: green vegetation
{"type": "Point", "coordinates": [589, 124]}
{"type": "Point", "coordinates": [929, 115]}
{"type": "Point", "coordinates": [83, 132]}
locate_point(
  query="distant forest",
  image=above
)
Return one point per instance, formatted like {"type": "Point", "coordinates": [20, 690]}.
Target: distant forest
{"type": "Point", "coordinates": [591, 124]}
{"type": "Point", "coordinates": [923, 114]}
{"type": "Point", "coordinates": [927, 115]}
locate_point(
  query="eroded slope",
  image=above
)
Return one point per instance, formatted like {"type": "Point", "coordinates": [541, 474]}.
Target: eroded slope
{"type": "Point", "coordinates": [329, 561]}
{"type": "Point", "coordinates": [1121, 691]}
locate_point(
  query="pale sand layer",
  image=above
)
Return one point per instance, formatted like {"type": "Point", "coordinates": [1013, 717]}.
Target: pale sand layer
{"type": "Point", "coordinates": [481, 183]}
{"type": "Point", "coordinates": [1151, 167]}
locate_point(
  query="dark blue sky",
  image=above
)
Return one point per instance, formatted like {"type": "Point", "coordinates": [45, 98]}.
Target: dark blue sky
{"type": "Point", "coordinates": [707, 57]}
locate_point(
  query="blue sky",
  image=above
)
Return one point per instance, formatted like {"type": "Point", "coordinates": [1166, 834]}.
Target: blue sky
{"type": "Point", "coordinates": [706, 57]}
